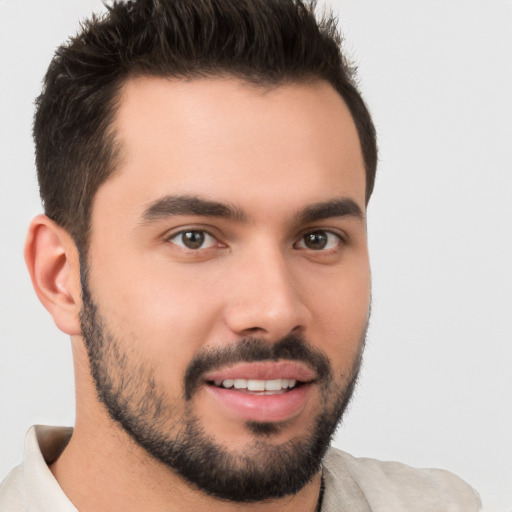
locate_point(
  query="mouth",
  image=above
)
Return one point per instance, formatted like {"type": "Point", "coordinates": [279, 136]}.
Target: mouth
{"type": "Point", "coordinates": [258, 387]}
{"type": "Point", "coordinates": [262, 391]}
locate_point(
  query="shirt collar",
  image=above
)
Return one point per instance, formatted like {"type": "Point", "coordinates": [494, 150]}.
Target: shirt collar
{"type": "Point", "coordinates": [41, 490]}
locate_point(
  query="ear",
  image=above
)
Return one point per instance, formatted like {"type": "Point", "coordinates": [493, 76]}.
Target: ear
{"type": "Point", "coordinates": [53, 264]}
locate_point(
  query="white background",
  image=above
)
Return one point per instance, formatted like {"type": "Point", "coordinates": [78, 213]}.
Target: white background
{"type": "Point", "coordinates": [436, 388]}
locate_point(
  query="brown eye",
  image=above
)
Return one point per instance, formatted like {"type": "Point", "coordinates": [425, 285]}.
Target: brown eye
{"type": "Point", "coordinates": [319, 240]}
{"type": "Point", "coordinates": [316, 240]}
{"type": "Point", "coordinates": [193, 239]}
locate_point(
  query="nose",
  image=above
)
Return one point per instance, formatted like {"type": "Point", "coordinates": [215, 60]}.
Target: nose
{"type": "Point", "coordinates": [265, 299]}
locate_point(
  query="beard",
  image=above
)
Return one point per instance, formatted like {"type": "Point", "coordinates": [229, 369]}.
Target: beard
{"type": "Point", "coordinates": [171, 433]}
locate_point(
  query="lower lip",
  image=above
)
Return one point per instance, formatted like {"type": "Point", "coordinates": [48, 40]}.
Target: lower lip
{"type": "Point", "coordinates": [262, 408]}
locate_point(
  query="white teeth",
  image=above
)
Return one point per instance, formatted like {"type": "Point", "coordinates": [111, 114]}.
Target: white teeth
{"type": "Point", "coordinates": [228, 383]}
{"type": "Point", "coordinates": [257, 385]}
{"type": "Point", "coordinates": [288, 383]}
{"type": "Point", "coordinates": [273, 385]}
{"type": "Point", "coordinates": [240, 383]}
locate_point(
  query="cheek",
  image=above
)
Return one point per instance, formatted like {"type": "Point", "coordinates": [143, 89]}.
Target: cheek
{"type": "Point", "coordinates": [341, 311]}
{"type": "Point", "coordinates": [164, 318]}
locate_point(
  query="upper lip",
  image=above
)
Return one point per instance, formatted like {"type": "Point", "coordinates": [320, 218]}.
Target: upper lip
{"type": "Point", "coordinates": [264, 370]}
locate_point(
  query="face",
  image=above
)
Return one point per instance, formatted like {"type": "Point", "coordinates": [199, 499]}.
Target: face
{"type": "Point", "coordinates": [227, 284]}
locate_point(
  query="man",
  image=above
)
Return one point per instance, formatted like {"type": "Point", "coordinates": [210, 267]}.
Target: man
{"type": "Point", "coordinates": [205, 169]}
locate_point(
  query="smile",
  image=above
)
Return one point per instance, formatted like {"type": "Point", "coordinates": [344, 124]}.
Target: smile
{"type": "Point", "coordinates": [270, 391]}
{"type": "Point", "coordinates": [262, 387]}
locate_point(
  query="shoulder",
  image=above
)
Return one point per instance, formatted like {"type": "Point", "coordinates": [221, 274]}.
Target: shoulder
{"type": "Point", "coordinates": [11, 496]}
{"type": "Point", "coordinates": [393, 486]}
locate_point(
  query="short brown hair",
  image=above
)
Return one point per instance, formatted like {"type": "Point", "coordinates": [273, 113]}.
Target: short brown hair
{"type": "Point", "coordinates": [264, 42]}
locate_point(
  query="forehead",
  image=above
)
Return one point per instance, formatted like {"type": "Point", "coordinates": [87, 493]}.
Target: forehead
{"type": "Point", "coordinates": [228, 140]}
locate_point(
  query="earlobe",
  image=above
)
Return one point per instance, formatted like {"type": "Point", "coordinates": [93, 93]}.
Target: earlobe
{"type": "Point", "coordinates": [53, 264]}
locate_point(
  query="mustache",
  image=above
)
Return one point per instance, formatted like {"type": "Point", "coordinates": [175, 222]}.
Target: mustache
{"type": "Point", "coordinates": [292, 348]}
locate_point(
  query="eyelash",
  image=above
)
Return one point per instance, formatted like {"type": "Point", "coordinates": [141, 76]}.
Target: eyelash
{"type": "Point", "coordinates": [205, 235]}
{"type": "Point", "coordinates": [322, 232]}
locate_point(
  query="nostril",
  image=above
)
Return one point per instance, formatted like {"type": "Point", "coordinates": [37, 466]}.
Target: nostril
{"type": "Point", "coordinates": [253, 330]}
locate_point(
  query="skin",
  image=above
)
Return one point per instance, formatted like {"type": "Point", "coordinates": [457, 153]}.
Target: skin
{"type": "Point", "coordinates": [270, 153]}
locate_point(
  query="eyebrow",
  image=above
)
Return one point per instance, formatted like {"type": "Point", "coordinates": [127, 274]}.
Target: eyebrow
{"type": "Point", "coordinates": [338, 207]}
{"type": "Point", "coordinates": [192, 205]}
